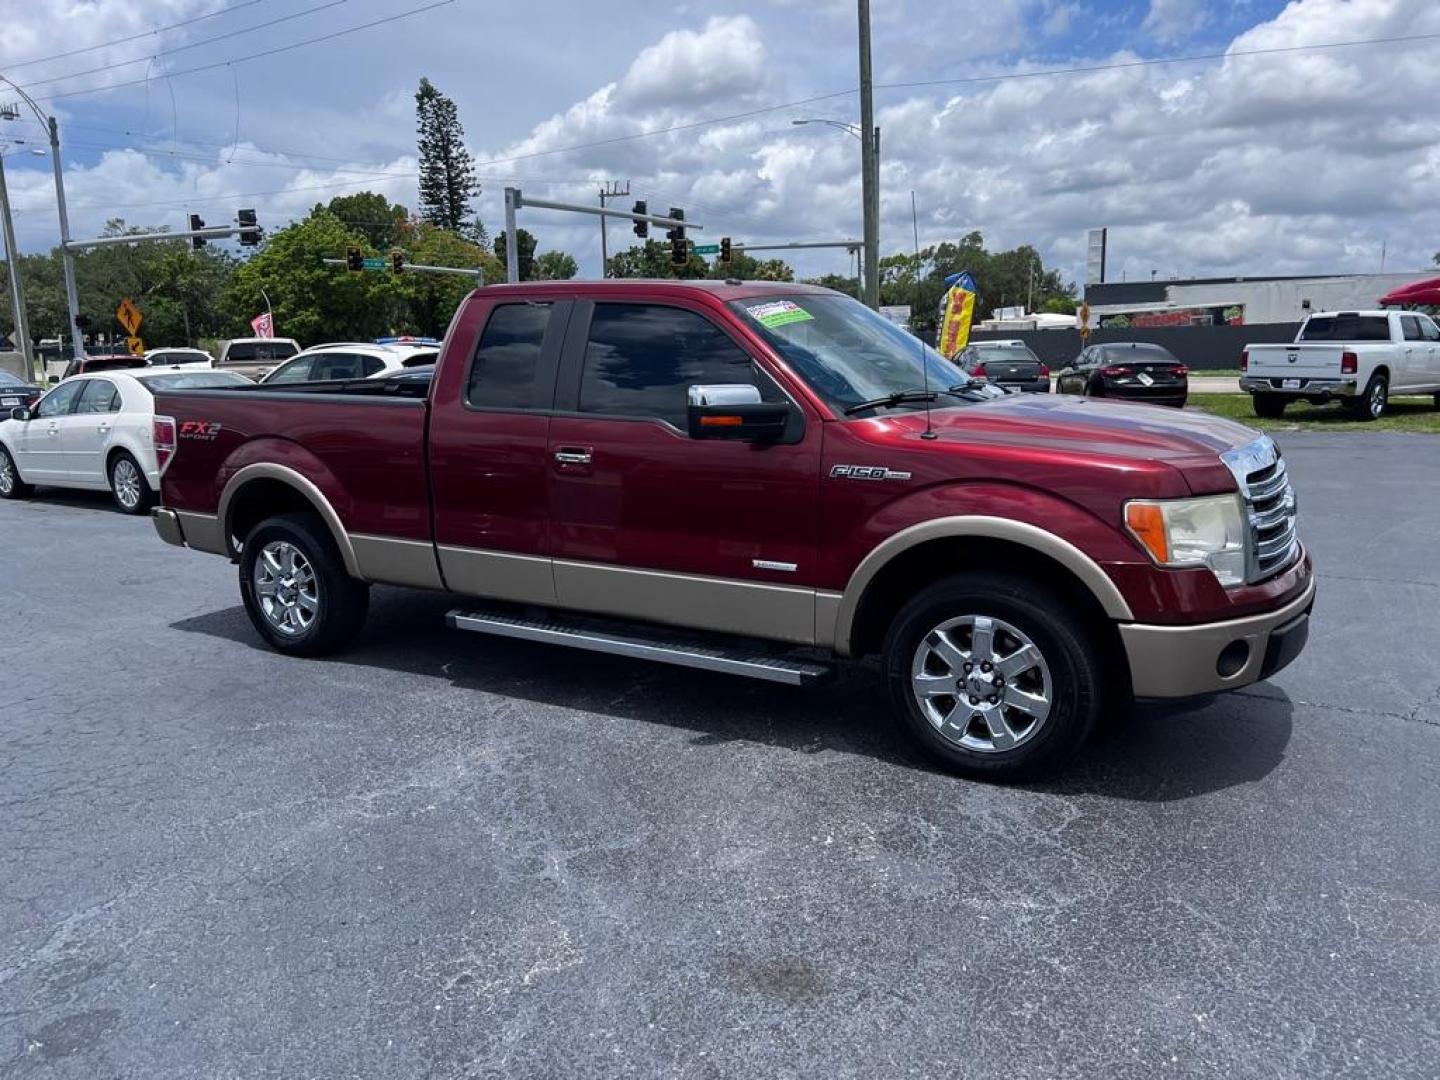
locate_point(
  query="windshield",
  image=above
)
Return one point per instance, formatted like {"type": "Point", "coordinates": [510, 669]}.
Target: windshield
{"type": "Point", "coordinates": [847, 353]}
{"type": "Point", "coordinates": [186, 357]}
{"type": "Point", "coordinates": [198, 380]}
{"type": "Point", "coordinates": [6, 379]}
{"type": "Point", "coordinates": [1003, 353]}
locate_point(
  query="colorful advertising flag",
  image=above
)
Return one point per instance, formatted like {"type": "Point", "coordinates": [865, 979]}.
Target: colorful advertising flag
{"type": "Point", "coordinates": [957, 310]}
{"type": "Point", "coordinates": [263, 325]}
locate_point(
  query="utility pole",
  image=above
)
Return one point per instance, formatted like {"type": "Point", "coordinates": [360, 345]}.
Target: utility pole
{"type": "Point", "coordinates": [611, 190]}
{"type": "Point", "coordinates": [67, 260]}
{"type": "Point", "coordinates": [17, 286]}
{"type": "Point", "coordinates": [869, 164]}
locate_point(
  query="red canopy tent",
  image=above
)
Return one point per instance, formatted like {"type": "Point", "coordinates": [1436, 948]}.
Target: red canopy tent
{"type": "Point", "coordinates": [1424, 293]}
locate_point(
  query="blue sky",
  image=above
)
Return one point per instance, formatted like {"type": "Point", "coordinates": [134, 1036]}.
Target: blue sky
{"type": "Point", "coordinates": [1298, 162]}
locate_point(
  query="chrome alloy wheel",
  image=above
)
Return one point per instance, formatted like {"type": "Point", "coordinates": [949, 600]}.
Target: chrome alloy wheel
{"type": "Point", "coordinates": [981, 683]}
{"type": "Point", "coordinates": [286, 588]}
{"type": "Point", "coordinates": [7, 475]}
{"type": "Point", "coordinates": [1378, 395]}
{"type": "Point", "coordinates": [125, 482]}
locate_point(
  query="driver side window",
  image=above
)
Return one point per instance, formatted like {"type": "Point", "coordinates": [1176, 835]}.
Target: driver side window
{"type": "Point", "coordinates": [60, 400]}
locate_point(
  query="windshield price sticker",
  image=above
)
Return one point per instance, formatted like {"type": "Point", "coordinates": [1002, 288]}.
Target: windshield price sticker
{"type": "Point", "coordinates": [778, 313]}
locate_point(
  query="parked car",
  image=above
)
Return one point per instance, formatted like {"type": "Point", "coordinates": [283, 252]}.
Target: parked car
{"type": "Point", "coordinates": [255, 357]}
{"type": "Point", "coordinates": [1357, 357]}
{"type": "Point", "coordinates": [95, 432]}
{"type": "Point", "coordinates": [174, 356]}
{"type": "Point", "coordinates": [1008, 363]}
{"type": "Point", "coordinates": [93, 362]}
{"type": "Point", "coordinates": [16, 393]}
{"type": "Point", "coordinates": [1133, 371]}
{"type": "Point", "coordinates": [349, 360]}
{"type": "Point", "coordinates": [757, 462]}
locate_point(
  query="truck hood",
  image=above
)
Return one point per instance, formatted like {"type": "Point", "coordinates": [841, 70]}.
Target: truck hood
{"type": "Point", "coordinates": [1089, 428]}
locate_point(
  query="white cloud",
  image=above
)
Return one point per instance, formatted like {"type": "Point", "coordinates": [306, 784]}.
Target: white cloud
{"type": "Point", "coordinates": [1174, 20]}
{"type": "Point", "coordinates": [723, 62]}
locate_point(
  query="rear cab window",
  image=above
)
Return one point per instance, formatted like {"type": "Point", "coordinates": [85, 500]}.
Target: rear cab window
{"type": "Point", "coordinates": [1346, 327]}
{"type": "Point", "coordinates": [505, 370]}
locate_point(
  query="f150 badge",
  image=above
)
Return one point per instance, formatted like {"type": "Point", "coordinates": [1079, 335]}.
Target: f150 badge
{"type": "Point", "coordinates": [867, 472]}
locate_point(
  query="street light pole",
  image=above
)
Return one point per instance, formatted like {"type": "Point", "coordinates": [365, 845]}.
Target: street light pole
{"type": "Point", "coordinates": [869, 163]}
{"type": "Point", "coordinates": [17, 285]}
{"type": "Point", "coordinates": [67, 260]}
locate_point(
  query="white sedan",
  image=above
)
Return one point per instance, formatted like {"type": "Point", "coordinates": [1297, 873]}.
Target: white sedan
{"type": "Point", "coordinates": [355, 360]}
{"type": "Point", "coordinates": [95, 432]}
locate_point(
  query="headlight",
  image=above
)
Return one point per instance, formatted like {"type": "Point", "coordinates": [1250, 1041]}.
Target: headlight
{"type": "Point", "coordinates": [1193, 532]}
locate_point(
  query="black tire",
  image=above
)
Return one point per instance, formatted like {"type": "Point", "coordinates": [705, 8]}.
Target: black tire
{"type": "Point", "coordinates": [1270, 406]}
{"type": "Point", "coordinates": [1372, 404]}
{"type": "Point", "coordinates": [1066, 641]}
{"type": "Point", "coordinates": [1095, 389]}
{"type": "Point", "coordinates": [11, 486]}
{"type": "Point", "coordinates": [339, 602]}
{"type": "Point", "coordinates": [128, 486]}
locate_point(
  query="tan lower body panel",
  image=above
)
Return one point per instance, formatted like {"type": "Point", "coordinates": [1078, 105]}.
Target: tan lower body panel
{"type": "Point", "coordinates": [1179, 661]}
{"type": "Point", "coordinates": [827, 618]}
{"type": "Point", "coordinates": [776, 612]}
{"type": "Point", "coordinates": [497, 575]}
{"type": "Point", "coordinates": [394, 561]}
{"type": "Point", "coordinates": [203, 532]}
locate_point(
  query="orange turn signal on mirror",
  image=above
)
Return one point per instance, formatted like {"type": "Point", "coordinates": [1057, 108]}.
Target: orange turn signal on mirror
{"type": "Point", "coordinates": [1146, 523]}
{"type": "Point", "coordinates": [721, 421]}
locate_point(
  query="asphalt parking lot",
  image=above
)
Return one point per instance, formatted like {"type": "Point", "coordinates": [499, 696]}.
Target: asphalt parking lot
{"type": "Point", "coordinates": [446, 856]}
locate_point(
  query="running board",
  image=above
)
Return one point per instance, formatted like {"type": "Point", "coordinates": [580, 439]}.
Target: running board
{"type": "Point", "coordinates": [751, 659]}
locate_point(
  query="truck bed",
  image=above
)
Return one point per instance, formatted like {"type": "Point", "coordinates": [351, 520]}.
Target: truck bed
{"type": "Point", "coordinates": [371, 470]}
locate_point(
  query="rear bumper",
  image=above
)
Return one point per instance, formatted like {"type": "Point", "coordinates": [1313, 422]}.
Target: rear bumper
{"type": "Point", "coordinates": [1308, 387]}
{"type": "Point", "coordinates": [1182, 661]}
{"type": "Point", "coordinates": [199, 531]}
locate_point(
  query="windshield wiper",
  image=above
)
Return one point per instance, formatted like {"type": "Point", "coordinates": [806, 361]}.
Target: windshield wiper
{"type": "Point", "coordinates": [900, 397]}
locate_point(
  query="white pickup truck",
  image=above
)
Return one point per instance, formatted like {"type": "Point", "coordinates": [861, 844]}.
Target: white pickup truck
{"type": "Point", "coordinates": [1359, 357]}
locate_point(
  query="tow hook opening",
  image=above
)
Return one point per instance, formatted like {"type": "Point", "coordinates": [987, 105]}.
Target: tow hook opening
{"type": "Point", "coordinates": [1233, 658]}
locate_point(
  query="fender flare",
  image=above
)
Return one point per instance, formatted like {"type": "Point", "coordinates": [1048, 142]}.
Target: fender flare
{"type": "Point", "coordinates": [1085, 569]}
{"type": "Point", "coordinates": [265, 470]}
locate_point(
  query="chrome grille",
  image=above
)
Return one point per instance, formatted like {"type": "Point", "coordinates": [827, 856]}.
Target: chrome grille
{"type": "Point", "coordinates": [1269, 507]}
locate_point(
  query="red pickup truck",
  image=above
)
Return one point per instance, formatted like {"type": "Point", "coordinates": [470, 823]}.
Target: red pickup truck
{"type": "Point", "coordinates": [762, 479]}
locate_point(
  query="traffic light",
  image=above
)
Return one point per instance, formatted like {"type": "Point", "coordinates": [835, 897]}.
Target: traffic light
{"type": "Point", "coordinates": [354, 260]}
{"type": "Point", "coordinates": [678, 232]}
{"type": "Point", "coordinates": [196, 242]}
{"type": "Point", "coordinates": [725, 249]}
{"type": "Point", "coordinates": [249, 228]}
{"type": "Point", "coordinates": [642, 228]}
{"type": "Point", "coordinates": [679, 250]}
{"type": "Point", "coordinates": [397, 261]}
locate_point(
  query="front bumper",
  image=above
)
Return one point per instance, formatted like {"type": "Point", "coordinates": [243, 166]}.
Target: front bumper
{"type": "Point", "coordinates": [1307, 387]}
{"type": "Point", "coordinates": [1182, 661]}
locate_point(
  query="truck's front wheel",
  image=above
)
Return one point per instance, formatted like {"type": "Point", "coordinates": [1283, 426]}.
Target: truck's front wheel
{"type": "Point", "coordinates": [994, 676]}
{"type": "Point", "coordinates": [295, 588]}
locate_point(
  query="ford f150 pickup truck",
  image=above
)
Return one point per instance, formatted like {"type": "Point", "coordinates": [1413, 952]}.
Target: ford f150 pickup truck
{"type": "Point", "coordinates": [762, 479]}
{"type": "Point", "coordinates": [1360, 357]}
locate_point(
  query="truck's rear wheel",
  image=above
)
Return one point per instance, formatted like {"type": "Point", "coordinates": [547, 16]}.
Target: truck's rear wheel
{"type": "Point", "coordinates": [295, 588]}
{"type": "Point", "coordinates": [1372, 404]}
{"type": "Point", "coordinates": [994, 676]}
{"type": "Point", "coordinates": [1270, 406]}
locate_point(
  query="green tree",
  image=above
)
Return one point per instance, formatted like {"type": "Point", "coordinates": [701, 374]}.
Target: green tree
{"type": "Point", "coordinates": [429, 300]}
{"type": "Point", "coordinates": [372, 216]}
{"type": "Point", "coordinates": [748, 268]}
{"type": "Point", "coordinates": [447, 172]}
{"type": "Point", "coordinates": [314, 302]}
{"type": "Point", "coordinates": [652, 260]}
{"type": "Point", "coordinates": [525, 260]}
{"type": "Point", "coordinates": [850, 286]}
{"type": "Point", "coordinates": [555, 266]}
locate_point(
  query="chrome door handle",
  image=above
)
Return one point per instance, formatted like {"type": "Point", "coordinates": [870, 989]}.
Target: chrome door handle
{"type": "Point", "coordinates": [103, 428]}
{"type": "Point", "coordinates": [573, 457]}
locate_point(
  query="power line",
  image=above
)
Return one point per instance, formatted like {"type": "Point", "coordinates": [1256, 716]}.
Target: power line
{"type": "Point", "coordinates": [256, 56]}
{"type": "Point", "coordinates": [192, 45]}
{"type": "Point", "coordinates": [133, 37]}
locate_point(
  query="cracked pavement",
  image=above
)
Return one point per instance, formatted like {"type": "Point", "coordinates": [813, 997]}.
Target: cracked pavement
{"type": "Point", "coordinates": [445, 856]}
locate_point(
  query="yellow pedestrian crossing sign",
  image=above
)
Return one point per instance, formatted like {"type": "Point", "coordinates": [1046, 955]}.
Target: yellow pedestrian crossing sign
{"type": "Point", "coordinates": [128, 316]}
